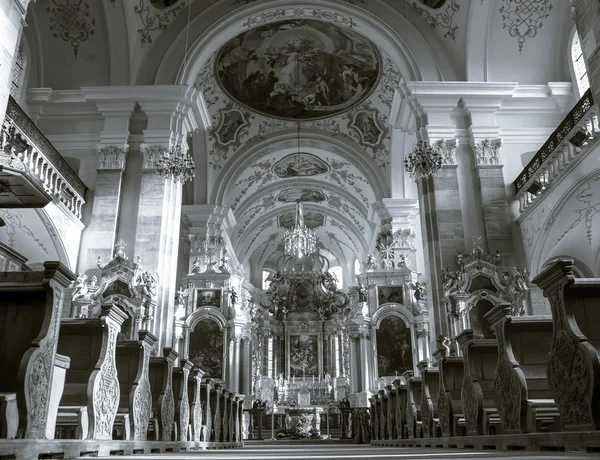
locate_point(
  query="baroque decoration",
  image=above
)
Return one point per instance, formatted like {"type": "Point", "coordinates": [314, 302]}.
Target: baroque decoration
{"type": "Point", "coordinates": [300, 164]}
{"type": "Point", "coordinates": [70, 21]}
{"type": "Point", "coordinates": [287, 70]}
{"type": "Point", "coordinates": [153, 21]}
{"type": "Point", "coordinates": [443, 19]}
{"type": "Point", "coordinates": [366, 124]}
{"type": "Point", "coordinates": [524, 18]}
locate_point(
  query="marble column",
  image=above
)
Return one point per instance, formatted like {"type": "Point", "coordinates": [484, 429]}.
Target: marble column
{"type": "Point", "coordinates": [587, 19]}
{"type": "Point", "coordinates": [234, 362]}
{"type": "Point", "coordinates": [246, 384]}
{"type": "Point", "coordinates": [365, 361]}
{"type": "Point", "coordinates": [354, 357]}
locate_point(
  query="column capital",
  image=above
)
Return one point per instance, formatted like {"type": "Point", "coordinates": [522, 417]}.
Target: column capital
{"type": "Point", "coordinates": [447, 147]}
{"type": "Point", "coordinates": [487, 152]}
{"type": "Point", "coordinates": [151, 154]}
{"type": "Point", "coordinates": [112, 157]}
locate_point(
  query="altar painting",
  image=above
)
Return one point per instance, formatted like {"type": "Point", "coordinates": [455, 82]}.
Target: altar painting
{"type": "Point", "coordinates": [386, 294]}
{"type": "Point", "coordinates": [206, 348]}
{"type": "Point", "coordinates": [208, 298]}
{"type": "Point", "coordinates": [303, 355]}
{"type": "Point", "coordinates": [394, 347]}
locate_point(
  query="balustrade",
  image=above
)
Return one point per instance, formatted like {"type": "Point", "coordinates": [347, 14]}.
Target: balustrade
{"type": "Point", "coordinates": [575, 136]}
{"type": "Point", "coordinates": [41, 159]}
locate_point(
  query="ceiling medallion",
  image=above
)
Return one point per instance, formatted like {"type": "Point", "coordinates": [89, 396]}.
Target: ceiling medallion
{"type": "Point", "coordinates": [300, 240]}
{"type": "Point", "coordinates": [423, 161]}
{"type": "Point", "coordinates": [177, 164]}
{"type": "Point", "coordinates": [298, 69]}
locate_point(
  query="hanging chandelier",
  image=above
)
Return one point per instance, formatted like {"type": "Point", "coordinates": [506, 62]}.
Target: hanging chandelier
{"type": "Point", "coordinates": [177, 164]}
{"type": "Point", "coordinates": [300, 240]}
{"type": "Point", "coordinates": [423, 161]}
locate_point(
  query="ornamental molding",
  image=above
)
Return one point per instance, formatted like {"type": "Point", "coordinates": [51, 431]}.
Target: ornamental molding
{"type": "Point", "coordinates": [151, 155]}
{"type": "Point", "coordinates": [447, 148]}
{"type": "Point", "coordinates": [112, 157]}
{"type": "Point", "coordinates": [487, 151]}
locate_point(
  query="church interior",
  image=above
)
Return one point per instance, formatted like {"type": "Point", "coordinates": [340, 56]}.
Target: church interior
{"type": "Point", "coordinates": [279, 227]}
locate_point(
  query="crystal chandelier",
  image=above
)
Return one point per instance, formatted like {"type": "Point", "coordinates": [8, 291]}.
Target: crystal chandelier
{"type": "Point", "coordinates": [423, 161]}
{"type": "Point", "coordinates": [176, 163]}
{"type": "Point", "coordinates": [299, 240]}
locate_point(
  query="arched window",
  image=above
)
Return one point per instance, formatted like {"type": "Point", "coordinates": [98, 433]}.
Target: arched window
{"type": "Point", "coordinates": [578, 64]}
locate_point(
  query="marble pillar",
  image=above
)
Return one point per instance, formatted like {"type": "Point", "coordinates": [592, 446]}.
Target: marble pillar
{"type": "Point", "coordinates": [246, 384]}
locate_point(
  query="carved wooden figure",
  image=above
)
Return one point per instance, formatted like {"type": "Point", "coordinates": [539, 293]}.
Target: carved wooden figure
{"type": "Point", "coordinates": [181, 399]}
{"type": "Point", "coordinates": [30, 309]}
{"type": "Point", "coordinates": [133, 364]}
{"type": "Point", "coordinates": [478, 394]}
{"type": "Point", "coordinates": [449, 406]}
{"type": "Point", "coordinates": [161, 385]}
{"type": "Point", "coordinates": [574, 364]}
{"type": "Point", "coordinates": [91, 383]}
{"type": "Point", "coordinates": [523, 396]}
{"type": "Point", "coordinates": [429, 392]}
{"type": "Point", "coordinates": [194, 388]}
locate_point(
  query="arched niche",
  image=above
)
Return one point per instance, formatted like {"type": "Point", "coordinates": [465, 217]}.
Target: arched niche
{"type": "Point", "coordinates": [480, 326]}
{"type": "Point", "coordinates": [205, 343]}
{"type": "Point", "coordinates": [394, 341]}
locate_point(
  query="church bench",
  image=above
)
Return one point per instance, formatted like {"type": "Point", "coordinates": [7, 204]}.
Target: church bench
{"type": "Point", "coordinates": [429, 392]}
{"type": "Point", "coordinates": [91, 388]}
{"type": "Point", "coordinates": [30, 309]}
{"type": "Point", "coordinates": [478, 395]}
{"type": "Point", "coordinates": [449, 405]}
{"type": "Point", "coordinates": [382, 412]}
{"type": "Point", "coordinates": [206, 394]}
{"type": "Point", "coordinates": [401, 398]}
{"type": "Point", "coordinates": [161, 387]}
{"type": "Point", "coordinates": [524, 399]}
{"type": "Point", "coordinates": [374, 414]}
{"type": "Point", "coordinates": [390, 399]}
{"type": "Point", "coordinates": [181, 399]}
{"type": "Point", "coordinates": [225, 415]}
{"type": "Point", "coordinates": [413, 405]}
{"type": "Point", "coordinates": [194, 395]}
{"type": "Point", "coordinates": [61, 364]}
{"type": "Point", "coordinates": [231, 417]}
{"type": "Point", "coordinates": [135, 403]}
{"type": "Point", "coordinates": [393, 404]}
{"type": "Point", "coordinates": [217, 403]}
{"type": "Point", "coordinates": [574, 361]}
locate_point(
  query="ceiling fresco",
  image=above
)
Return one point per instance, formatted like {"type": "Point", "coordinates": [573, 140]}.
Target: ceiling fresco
{"type": "Point", "coordinates": [292, 195]}
{"type": "Point", "coordinates": [311, 219]}
{"type": "Point", "coordinates": [298, 69]}
{"type": "Point", "coordinates": [300, 164]}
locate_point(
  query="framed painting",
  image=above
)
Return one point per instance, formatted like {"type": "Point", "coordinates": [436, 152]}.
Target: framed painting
{"type": "Point", "coordinates": [208, 298]}
{"type": "Point", "coordinates": [387, 294]}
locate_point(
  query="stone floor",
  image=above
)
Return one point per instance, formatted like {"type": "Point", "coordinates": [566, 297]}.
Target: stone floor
{"type": "Point", "coordinates": [304, 451]}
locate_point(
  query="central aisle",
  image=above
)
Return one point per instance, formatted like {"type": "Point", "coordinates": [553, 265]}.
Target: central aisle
{"type": "Point", "coordinates": [347, 452]}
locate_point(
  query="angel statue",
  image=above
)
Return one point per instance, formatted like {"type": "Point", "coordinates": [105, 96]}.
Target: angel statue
{"type": "Point", "coordinates": [148, 282]}
{"type": "Point", "coordinates": [224, 267]}
{"type": "Point", "coordinates": [370, 263]}
{"type": "Point", "coordinates": [521, 277]}
{"type": "Point", "coordinates": [420, 292]}
{"type": "Point", "coordinates": [81, 287]}
{"type": "Point", "coordinates": [196, 265]}
{"type": "Point", "coordinates": [444, 343]}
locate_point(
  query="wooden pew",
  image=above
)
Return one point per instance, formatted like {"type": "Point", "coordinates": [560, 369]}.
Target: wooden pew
{"type": "Point", "coordinates": [373, 413]}
{"type": "Point", "coordinates": [61, 364]}
{"type": "Point", "coordinates": [207, 417]}
{"type": "Point", "coordinates": [194, 389]}
{"type": "Point", "coordinates": [524, 399]}
{"type": "Point", "coordinates": [429, 393]}
{"type": "Point", "coordinates": [449, 406]}
{"type": "Point", "coordinates": [392, 408]}
{"type": "Point", "coordinates": [161, 386]}
{"type": "Point", "coordinates": [91, 394]}
{"type": "Point", "coordinates": [413, 405]}
{"type": "Point", "coordinates": [574, 363]}
{"type": "Point", "coordinates": [224, 415]}
{"type": "Point", "coordinates": [133, 363]}
{"type": "Point", "coordinates": [217, 403]}
{"type": "Point", "coordinates": [30, 310]}
{"type": "Point", "coordinates": [182, 403]}
{"type": "Point", "coordinates": [401, 401]}
{"type": "Point", "coordinates": [478, 394]}
{"type": "Point", "coordinates": [382, 414]}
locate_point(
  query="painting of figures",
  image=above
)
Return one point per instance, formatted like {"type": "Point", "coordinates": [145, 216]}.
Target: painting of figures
{"type": "Point", "coordinates": [303, 355]}
{"type": "Point", "coordinates": [206, 348]}
{"type": "Point", "coordinates": [387, 294]}
{"type": "Point", "coordinates": [298, 69]}
{"type": "Point", "coordinates": [291, 195]}
{"type": "Point", "coordinates": [300, 164]}
{"type": "Point", "coordinates": [208, 298]}
{"type": "Point", "coordinates": [311, 219]}
{"type": "Point", "coordinates": [394, 347]}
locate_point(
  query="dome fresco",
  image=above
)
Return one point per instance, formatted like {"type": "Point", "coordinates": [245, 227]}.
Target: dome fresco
{"type": "Point", "coordinates": [294, 69]}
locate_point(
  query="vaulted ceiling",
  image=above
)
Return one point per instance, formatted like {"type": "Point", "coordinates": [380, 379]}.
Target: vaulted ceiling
{"type": "Point", "coordinates": [299, 95]}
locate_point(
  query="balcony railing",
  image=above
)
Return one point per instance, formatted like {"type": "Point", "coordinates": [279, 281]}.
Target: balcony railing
{"type": "Point", "coordinates": [44, 162]}
{"type": "Point", "coordinates": [571, 139]}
